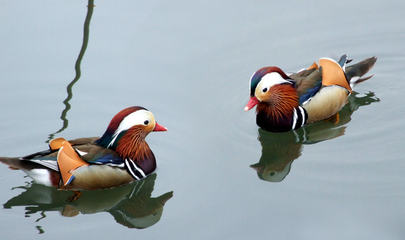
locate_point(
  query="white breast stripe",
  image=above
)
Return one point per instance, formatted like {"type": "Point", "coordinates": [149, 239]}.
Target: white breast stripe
{"type": "Point", "coordinates": [138, 169]}
{"type": "Point", "coordinates": [294, 119]}
{"type": "Point", "coordinates": [130, 170]}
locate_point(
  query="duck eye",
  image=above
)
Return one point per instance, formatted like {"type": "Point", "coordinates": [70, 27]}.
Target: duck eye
{"type": "Point", "coordinates": [146, 122]}
{"type": "Point", "coordinates": [264, 89]}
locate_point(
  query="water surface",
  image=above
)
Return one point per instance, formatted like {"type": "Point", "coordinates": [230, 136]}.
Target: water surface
{"type": "Point", "coordinates": [190, 63]}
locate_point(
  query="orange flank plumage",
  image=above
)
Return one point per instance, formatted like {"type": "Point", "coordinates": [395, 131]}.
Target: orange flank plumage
{"type": "Point", "coordinates": [56, 143]}
{"type": "Point", "coordinates": [314, 66]}
{"type": "Point", "coordinates": [68, 161]}
{"type": "Point", "coordinates": [332, 74]}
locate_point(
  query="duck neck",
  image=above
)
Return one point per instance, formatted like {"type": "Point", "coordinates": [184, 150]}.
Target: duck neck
{"type": "Point", "coordinates": [131, 145]}
{"type": "Point", "coordinates": [277, 112]}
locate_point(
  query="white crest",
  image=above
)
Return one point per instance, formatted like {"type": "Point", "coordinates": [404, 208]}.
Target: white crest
{"type": "Point", "coordinates": [268, 81]}
{"type": "Point", "coordinates": [139, 117]}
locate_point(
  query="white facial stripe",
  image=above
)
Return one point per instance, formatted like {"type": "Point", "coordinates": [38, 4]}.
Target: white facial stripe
{"type": "Point", "coordinates": [135, 118]}
{"type": "Point", "coordinates": [268, 81]}
{"type": "Point", "coordinates": [273, 78]}
{"type": "Point", "coordinates": [250, 81]}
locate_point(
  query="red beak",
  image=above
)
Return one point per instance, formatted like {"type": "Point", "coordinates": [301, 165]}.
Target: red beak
{"type": "Point", "coordinates": [159, 128]}
{"type": "Point", "coordinates": [253, 101]}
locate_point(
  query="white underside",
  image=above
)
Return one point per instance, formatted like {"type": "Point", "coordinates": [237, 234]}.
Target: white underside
{"type": "Point", "coordinates": [40, 176]}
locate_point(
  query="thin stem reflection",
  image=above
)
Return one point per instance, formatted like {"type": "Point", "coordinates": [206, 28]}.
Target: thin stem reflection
{"type": "Point", "coordinates": [69, 88]}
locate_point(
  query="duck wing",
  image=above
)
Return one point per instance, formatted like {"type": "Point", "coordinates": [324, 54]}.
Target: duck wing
{"type": "Point", "coordinates": [307, 82]}
{"type": "Point", "coordinates": [84, 147]}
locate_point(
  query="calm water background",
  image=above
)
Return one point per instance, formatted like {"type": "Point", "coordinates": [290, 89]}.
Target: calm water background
{"type": "Point", "coordinates": [190, 63]}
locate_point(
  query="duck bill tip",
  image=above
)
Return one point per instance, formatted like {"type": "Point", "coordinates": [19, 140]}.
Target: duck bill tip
{"type": "Point", "coordinates": [253, 101]}
{"type": "Point", "coordinates": [159, 128]}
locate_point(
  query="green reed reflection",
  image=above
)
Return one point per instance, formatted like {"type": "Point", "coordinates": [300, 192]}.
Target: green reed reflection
{"type": "Point", "coordinates": [279, 150]}
{"type": "Point", "coordinates": [40, 230]}
{"type": "Point", "coordinates": [69, 88]}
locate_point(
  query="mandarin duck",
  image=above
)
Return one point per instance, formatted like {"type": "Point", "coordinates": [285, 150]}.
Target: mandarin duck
{"type": "Point", "coordinates": [290, 101]}
{"type": "Point", "coordinates": [279, 150]}
{"type": "Point", "coordinates": [121, 155]}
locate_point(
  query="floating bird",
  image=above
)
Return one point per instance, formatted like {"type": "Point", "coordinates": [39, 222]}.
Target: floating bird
{"type": "Point", "coordinates": [120, 156]}
{"type": "Point", "coordinates": [290, 101]}
{"type": "Point", "coordinates": [279, 150]}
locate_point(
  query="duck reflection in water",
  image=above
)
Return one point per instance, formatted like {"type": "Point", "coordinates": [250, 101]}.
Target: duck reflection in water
{"type": "Point", "coordinates": [279, 150]}
{"type": "Point", "coordinates": [131, 205]}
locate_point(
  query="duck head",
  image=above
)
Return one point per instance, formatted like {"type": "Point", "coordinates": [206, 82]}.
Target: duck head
{"type": "Point", "coordinates": [129, 127]}
{"type": "Point", "coordinates": [268, 85]}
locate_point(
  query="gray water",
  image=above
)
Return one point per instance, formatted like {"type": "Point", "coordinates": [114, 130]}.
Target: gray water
{"type": "Point", "coordinates": [218, 176]}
